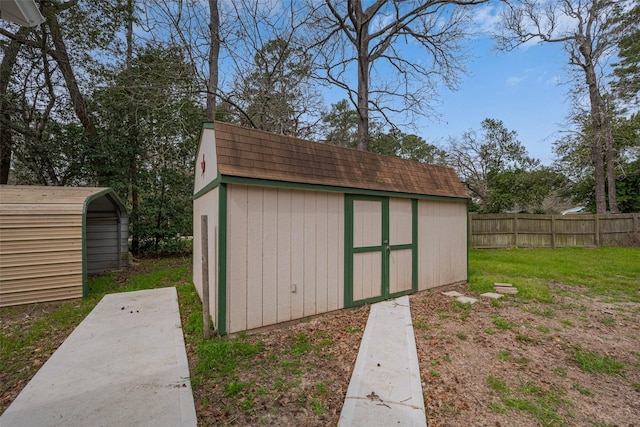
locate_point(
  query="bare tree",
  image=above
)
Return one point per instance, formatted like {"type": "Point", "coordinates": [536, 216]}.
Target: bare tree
{"type": "Point", "coordinates": [376, 40]}
{"type": "Point", "coordinates": [214, 53]}
{"type": "Point", "coordinates": [584, 28]}
{"type": "Point", "coordinates": [478, 158]}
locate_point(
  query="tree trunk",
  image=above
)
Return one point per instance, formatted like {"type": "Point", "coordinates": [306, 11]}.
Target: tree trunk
{"type": "Point", "coordinates": [610, 156]}
{"type": "Point", "coordinates": [10, 55]}
{"type": "Point", "coordinates": [362, 42]}
{"type": "Point", "coordinates": [132, 141]}
{"type": "Point", "coordinates": [214, 51]}
{"type": "Point", "coordinates": [598, 117]}
{"type": "Point", "coordinates": [363, 102]}
{"type": "Point", "coordinates": [61, 56]}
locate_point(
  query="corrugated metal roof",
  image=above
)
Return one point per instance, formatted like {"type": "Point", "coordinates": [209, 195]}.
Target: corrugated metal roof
{"type": "Point", "coordinates": [35, 195]}
{"type": "Point", "coordinates": [251, 153]}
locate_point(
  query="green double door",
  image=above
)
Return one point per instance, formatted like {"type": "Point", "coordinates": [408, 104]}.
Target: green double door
{"type": "Point", "coordinates": [380, 248]}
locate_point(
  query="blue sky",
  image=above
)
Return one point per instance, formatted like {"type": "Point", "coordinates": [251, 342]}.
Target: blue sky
{"type": "Point", "coordinates": [522, 88]}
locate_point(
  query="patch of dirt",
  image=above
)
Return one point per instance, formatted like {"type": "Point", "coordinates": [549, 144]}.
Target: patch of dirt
{"type": "Point", "coordinates": [515, 362]}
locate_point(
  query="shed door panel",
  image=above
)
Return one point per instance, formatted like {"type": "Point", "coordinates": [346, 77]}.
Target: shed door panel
{"type": "Point", "coordinates": [367, 248]}
{"type": "Point", "coordinates": [381, 248]}
{"type": "Point", "coordinates": [400, 245]}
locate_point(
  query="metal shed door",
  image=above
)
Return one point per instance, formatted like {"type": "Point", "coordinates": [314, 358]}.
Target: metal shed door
{"type": "Point", "coordinates": [381, 248]}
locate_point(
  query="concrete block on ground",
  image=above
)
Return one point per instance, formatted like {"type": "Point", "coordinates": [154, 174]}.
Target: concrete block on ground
{"type": "Point", "coordinates": [466, 300]}
{"type": "Point", "coordinates": [452, 294]}
{"type": "Point", "coordinates": [491, 295]}
{"type": "Point", "coordinates": [511, 291]}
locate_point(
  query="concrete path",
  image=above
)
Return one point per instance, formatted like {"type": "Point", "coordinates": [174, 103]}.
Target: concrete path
{"type": "Point", "coordinates": [385, 387]}
{"type": "Point", "coordinates": [124, 365]}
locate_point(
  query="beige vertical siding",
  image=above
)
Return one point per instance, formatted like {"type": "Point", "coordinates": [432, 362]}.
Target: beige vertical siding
{"type": "Point", "coordinates": [400, 271]}
{"type": "Point", "coordinates": [400, 223]}
{"type": "Point", "coordinates": [206, 153]}
{"type": "Point", "coordinates": [367, 275]}
{"type": "Point", "coordinates": [442, 243]}
{"type": "Point", "coordinates": [207, 205]}
{"type": "Point", "coordinates": [367, 231]}
{"type": "Point", "coordinates": [284, 255]}
{"type": "Point", "coordinates": [367, 223]}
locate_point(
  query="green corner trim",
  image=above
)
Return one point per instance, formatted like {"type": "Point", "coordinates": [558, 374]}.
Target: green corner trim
{"type": "Point", "coordinates": [347, 190]}
{"type": "Point", "coordinates": [210, 186]}
{"type": "Point", "coordinates": [222, 261]}
{"type": "Point", "coordinates": [348, 250]}
{"type": "Point", "coordinates": [414, 241]}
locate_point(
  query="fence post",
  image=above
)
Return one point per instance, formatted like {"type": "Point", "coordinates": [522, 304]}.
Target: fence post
{"type": "Point", "coordinates": [596, 226]}
{"type": "Point", "coordinates": [470, 230]}
{"type": "Point", "coordinates": [515, 230]}
{"type": "Point", "coordinates": [553, 231]}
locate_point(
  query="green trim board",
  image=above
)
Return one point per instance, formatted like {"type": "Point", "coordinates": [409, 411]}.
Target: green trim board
{"type": "Point", "coordinates": [414, 240]}
{"type": "Point", "coordinates": [210, 186]}
{"type": "Point", "coordinates": [222, 261]}
{"type": "Point", "coordinates": [227, 179]}
{"type": "Point", "coordinates": [384, 249]}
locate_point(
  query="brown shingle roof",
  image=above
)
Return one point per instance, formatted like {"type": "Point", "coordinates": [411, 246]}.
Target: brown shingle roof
{"type": "Point", "coordinates": [251, 153]}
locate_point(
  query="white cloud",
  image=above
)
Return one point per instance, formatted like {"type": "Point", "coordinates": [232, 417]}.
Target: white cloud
{"type": "Point", "coordinates": [515, 80]}
{"type": "Point", "coordinates": [486, 18]}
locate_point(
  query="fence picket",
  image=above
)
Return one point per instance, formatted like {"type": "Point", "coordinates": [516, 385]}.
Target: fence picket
{"type": "Point", "coordinates": [525, 230]}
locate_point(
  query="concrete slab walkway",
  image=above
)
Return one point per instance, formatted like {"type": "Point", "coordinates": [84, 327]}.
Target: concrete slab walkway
{"type": "Point", "coordinates": [124, 365]}
{"type": "Point", "coordinates": [385, 387]}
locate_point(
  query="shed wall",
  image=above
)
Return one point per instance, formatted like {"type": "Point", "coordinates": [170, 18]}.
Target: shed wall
{"type": "Point", "coordinates": [40, 256]}
{"type": "Point", "coordinates": [106, 236]}
{"type": "Point", "coordinates": [207, 205]}
{"type": "Point", "coordinates": [285, 253]}
{"type": "Point", "coordinates": [442, 243]}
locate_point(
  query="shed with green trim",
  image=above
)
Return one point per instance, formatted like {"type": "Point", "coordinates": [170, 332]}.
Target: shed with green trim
{"type": "Point", "coordinates": [52, 238]}
{"type": "Point", "coordinates": [297, 228]}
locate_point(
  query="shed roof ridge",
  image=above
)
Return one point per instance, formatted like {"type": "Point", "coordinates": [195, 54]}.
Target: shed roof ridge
{"type": "Point", "coordinates": [258, 154]}
{"type": "Point", "coordinates": [327, 145]}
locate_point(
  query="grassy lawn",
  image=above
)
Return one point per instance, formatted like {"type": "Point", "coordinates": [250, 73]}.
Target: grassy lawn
{"type": "Point", "coordinates": [614, 272]}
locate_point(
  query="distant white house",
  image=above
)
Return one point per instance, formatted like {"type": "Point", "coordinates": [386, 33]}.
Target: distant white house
{"type": "Point", "coordinates": [576, 210]}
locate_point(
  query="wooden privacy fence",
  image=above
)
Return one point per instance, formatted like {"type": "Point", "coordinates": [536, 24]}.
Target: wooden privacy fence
{"type": "Point", "coordinates": [553, 231]}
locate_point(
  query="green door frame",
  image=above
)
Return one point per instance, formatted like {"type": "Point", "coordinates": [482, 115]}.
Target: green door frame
{"type": "Point", "coordinates": [384, 248]}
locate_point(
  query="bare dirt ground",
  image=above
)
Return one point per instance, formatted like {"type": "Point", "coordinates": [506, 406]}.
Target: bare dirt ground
{"type": "Point", "coordinates": [573, 362]}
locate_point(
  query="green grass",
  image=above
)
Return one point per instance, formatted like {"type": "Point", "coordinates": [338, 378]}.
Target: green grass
{"type": "Point", "coordinates": [545, 405]}
{"type": "Point", "coordinates": [608, 271]}
{"type": "Point", "coordinates": [502, 323]}
{"type": "Point", "coordinates": [596, 363]}
{"type": "Point", "coordinates": [543, 329]}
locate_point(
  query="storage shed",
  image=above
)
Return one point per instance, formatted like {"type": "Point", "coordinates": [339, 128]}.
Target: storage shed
{"type": "Point", "coordinates": [298, 228]}
{"type": "Point", "coordinates": [51, 238]}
